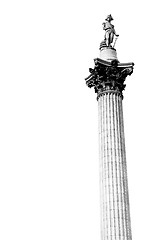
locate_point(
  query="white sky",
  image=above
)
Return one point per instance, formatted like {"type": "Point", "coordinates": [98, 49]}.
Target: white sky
{"type": "Point", "coordinates": [49, 175]}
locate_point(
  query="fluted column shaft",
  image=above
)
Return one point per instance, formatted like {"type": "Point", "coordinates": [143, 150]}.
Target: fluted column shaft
{"type": "Point", "coordinates": [108, 79]}
{"type": "Point", "coordinates": [115, 215]}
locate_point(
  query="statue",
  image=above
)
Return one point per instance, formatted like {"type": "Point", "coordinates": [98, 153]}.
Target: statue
{"type": "Point", "coordinates": [109, 31]}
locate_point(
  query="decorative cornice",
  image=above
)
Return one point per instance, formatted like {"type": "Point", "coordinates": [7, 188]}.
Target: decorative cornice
{"type": "Point", "coordinates": [108, 76]}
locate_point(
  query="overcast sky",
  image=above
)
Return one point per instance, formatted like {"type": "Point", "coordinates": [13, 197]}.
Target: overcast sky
{"type": "Point", "coordinates": [49, 169]}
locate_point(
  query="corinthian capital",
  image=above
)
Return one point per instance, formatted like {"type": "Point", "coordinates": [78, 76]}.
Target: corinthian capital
{"type": "Point", "coordinates": [108, 76]}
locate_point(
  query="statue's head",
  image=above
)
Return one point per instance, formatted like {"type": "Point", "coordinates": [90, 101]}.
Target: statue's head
{"type": "Point", "coordinates": [109, 18]}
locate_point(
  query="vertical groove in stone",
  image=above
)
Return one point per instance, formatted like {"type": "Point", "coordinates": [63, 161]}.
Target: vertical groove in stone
{"type": "Point", "coordinates": [106, 99]}
{"type": "Point", "coordinates": [110, 170]}
{"type": "Point", "coordinates": [113, 166]}
{"type": "Point", "coordinates": [116, 163]}
{"type": "Point", "coordinates": [103, 173]}
{"type": "Point", "coordinates": [115, 217]}
{"type": "Point", "coordinates": [121, 169]}
{"type": "Point", "coordinates": [119, 164]}
{"type": "Point", "coordinates": [100, 158]}
{"type": "Point", "coordinates": [120, 160]}
{"type": "Point", "coordinates": [128, 222]}
{"type": "Point", "coordinates": [104, 170]}
{"type": "Point", "coordinates": [108, 167]}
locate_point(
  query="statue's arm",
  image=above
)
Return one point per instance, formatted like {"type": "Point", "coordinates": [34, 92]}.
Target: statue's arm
{"type": "Point", "coordinates": [114, 31]}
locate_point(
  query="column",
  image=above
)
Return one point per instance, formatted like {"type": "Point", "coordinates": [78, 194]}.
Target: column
{"type": "Point", "coordinates": [107, 78]}
{"type": "Point", "coordinates": [115, 216]}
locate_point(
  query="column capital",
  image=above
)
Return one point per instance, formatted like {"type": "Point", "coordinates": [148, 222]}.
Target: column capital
{"type": "Point", "coordinates": [108, 76]}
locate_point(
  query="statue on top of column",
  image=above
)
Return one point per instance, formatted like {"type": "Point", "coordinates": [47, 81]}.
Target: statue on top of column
{"type": "Point", "coordinates": [109, 31]}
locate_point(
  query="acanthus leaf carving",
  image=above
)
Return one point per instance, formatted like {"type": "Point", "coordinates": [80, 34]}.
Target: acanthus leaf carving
{"type": "Point", "coordinates": [108, 77]}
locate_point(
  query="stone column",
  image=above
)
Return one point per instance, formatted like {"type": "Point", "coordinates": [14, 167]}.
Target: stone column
{"type": "Point", "coordinates": [108, 78]}
{"type": "Point", "coordinates": [115, 216]}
